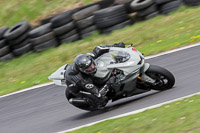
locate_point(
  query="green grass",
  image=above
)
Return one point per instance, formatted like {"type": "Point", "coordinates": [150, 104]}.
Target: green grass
{"type": "Point", "coordinates": [14, 11]}
{"type": "Point", "coordinates": [178, 117]}
{"type": "Point", "coordinates": [150, 37]}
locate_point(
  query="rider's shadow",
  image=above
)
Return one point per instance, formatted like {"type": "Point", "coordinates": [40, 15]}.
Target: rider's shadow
{"type": "Point", "coordinates": [113, 106]}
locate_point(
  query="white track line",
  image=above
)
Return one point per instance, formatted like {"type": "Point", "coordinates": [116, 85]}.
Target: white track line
{"type": "Point", "coordinates": [172, 51]}
{"type": "Point", "coordinates": [130, 113]}
{"type": "Point", "coordinates": [28, 89]}
{"type": "Point", "coordinates": [148, 57]}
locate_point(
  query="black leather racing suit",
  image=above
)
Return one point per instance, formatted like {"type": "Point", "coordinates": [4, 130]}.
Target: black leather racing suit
{"type": "Point", "coordinates": [78, 82]}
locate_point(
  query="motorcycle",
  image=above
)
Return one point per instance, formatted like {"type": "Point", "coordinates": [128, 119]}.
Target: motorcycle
{"type": "Point", "coordinates": [129, 73]}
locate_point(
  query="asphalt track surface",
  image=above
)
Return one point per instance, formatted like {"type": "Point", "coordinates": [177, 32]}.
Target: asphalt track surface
{"type": "Point", "coordinates": [45, 110]}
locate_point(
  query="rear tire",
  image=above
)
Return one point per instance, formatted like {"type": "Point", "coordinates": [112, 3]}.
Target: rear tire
{"type": "Point", "coordinates": [164, 79]}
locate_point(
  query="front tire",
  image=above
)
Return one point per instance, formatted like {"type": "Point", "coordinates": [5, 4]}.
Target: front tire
{"type": "Point", "coordinates": [164, 79]}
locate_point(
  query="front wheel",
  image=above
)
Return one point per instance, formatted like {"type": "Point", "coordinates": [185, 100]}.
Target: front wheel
{"type": "Point", "coordinates": [164, 79]}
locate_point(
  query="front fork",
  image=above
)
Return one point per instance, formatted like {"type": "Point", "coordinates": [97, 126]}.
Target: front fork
{"type": "Point", "coordinates": [143, 77]}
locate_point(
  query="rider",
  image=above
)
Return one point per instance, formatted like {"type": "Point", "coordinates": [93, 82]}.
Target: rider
{"type": "Point", "coordinates": [80, 75]}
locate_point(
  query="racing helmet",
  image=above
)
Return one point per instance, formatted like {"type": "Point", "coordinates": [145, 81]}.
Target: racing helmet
{"type": "Point", "coordinates": [85, 63]}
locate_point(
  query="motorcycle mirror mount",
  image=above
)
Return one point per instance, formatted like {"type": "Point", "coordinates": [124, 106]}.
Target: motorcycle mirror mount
{"type": "Point", "coordinates": [129, 45]}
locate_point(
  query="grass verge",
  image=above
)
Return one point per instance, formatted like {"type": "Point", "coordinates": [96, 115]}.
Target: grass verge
{"type": "Point", "coordinates": [182, 116]}
{"type": "Point", "coordinates": [14, 11]}
{"type": "Point", "coordinates": [150, 37]}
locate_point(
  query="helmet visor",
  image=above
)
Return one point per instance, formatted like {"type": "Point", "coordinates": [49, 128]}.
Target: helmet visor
{"type": "Point", "coordinates": [91, 68]}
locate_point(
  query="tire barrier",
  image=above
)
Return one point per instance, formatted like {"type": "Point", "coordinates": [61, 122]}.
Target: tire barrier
{"type": "Point", "coordinates": [46, 20]}
{"type": "Point", "coordinates": [192, 2]}
{"type": "Point", "coordinates": [149, 12]}
{"type": "Point", "coordinates": [64, 27]}
{"type": "Point", "coordinates": [112, 18]}
{"type": "Point", "coordinates": [42, 38]}
{"type": "Point", "coordinates": [116, 27]}
{"type": "Point", "coordinates": [104, 16]}
{"type": "Point", "coordinates": [2, 39]}
{"type": "Point", "coordinates": [137, 5]}
{"type": "Point", "coordinates": [88, 31]}
{"type": "Point", "coordinates": [84, 20]}
{"type": "Point", "coordinates": [5, 53]}
{"type": "Point", "coordinates": [17, 38]}
{"type": "Point", "coordinates": [86, 26]}
{"type": "Point", "coordinates": [159, 2]}
{"type": "Point", "coordinates": [126, 3]}
{"type": "Point", "coordinates": [6, 57]}
{"type": "Point", "coordinates": [170, 6]}
{"type": "Point", "coordinates": [102, 4]}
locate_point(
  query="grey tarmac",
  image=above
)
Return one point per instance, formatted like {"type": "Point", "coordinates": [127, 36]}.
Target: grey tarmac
{"type": "Point", "coordinates": [46, 110]}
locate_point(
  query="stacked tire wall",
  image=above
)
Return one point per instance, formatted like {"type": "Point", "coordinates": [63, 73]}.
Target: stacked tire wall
{"type": "Point", "coordinates": [192, 2]}
{"type": "Point", "coordinates": [84, 19]}
{"type": "Point", "coordinates": [42, 37]}
{"type": "Point", "coordinates": [112, 18]}
{"type": "Point", "coordinates": [104, 16]}
{"type": "Point", "coordinates": [17, 38]}
{"type": "Point", "coordinates": [64, 27]}
{"type": "Point", "coordinates": [5, 52]}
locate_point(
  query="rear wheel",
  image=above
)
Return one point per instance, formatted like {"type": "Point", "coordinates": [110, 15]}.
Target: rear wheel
{"type": "Point", "coordinates": [163, 78]}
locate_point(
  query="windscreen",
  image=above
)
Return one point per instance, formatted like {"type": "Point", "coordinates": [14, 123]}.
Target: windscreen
{"type": "Point", "coordinates": [120, 56]}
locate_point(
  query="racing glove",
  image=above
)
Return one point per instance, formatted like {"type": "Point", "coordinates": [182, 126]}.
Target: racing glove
{"type": "Point", "coordinates": [103, 91]}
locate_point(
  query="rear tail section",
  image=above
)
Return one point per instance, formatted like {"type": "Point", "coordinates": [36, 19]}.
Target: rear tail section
{"type": "Point", "coordinates": [58, 77]}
